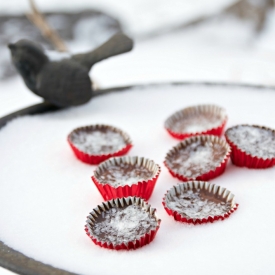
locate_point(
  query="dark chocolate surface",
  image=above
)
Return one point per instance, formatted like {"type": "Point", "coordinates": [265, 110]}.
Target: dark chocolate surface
{"type": "Point", "coordinates": [124, 174]}
{"type": "Point", "coordinates": [123, 224]}
{"type": "Point", "coordinates": [97, 141]}
{"type": "Point", "coordinates": [196, 123]}
{"type": "Point", "coordinates": [198, 204]}
{"type": "Point", "coordinates": [196, 158]}
{"type": "Point", "coordinates": [255, 140]}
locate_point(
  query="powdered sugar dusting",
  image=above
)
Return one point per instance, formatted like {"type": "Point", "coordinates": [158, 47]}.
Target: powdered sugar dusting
{"type": "Point", "coordinates": [198, 123]}
{"type": "Point", "coordinates": [193, 205]}
{"type": "Point", "coordinates": [125, 174]}
{"type": "Point", "coordinates": [253, 140]}
{"type": "Point", "coordinates": [118, 225]}
{"type": "Point", "coordinates": [196, 158]}
{"type": "Point", "coordinates": [98, 142]}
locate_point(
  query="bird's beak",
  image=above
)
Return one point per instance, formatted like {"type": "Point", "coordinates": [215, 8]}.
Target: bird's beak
{"type": "Point", "coordinates": [11, 46]}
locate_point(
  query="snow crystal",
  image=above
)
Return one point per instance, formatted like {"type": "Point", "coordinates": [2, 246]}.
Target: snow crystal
{"type": "Point", "coordinates": [118, 225]}
{"type": "Point", "coordinates": [198, 123]}
{"type": "Point", "coordinates": [194, 205]}
{"type": "Point", "coordinates": [196, 158]}
{"type": "Point", "coordinates": [98, 142]}
{"type": "Point", "coordinates": [125, 174]}
{"type": "Point", "coordinates": [253, 140]}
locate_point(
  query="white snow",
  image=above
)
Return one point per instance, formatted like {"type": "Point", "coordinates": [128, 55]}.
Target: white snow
{"type": "Point", "coordinates": [46, 193]}
{"type": "Point", "coordinates": [253, 140]}
{"type": "Point", "coordinates": [196, 159]}
{"type": "Point", "coordinates": [138, 17]}
{"type": "Point", "coordinates": [125, 174]}
{"type": "Point", "coordinates": [219, 50]}
{"type": "Point", "coordinates": [215, 51]}
{"type": "Point", "coordinates": [192, 205]}
{"type": "Point", "coordinates": [97, 142]}
{"type": "Point", "coordinates": [123, 225]}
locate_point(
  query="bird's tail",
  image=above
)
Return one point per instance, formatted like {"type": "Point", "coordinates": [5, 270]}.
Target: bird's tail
{"type": "Point", "coordinates": [117, 44]}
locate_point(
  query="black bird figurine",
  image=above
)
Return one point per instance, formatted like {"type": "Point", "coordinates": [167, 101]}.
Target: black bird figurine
{"type": "Point", "coordinates": [65, 82]}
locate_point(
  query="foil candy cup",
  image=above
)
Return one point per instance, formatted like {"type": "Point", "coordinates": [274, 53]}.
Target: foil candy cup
{"type": "Point", "coordinates": [192, 112]}
{"type": "Point", "coordinates": [96, 159]}
{"type": "Point", "coordinates": [217, 191]}
{"type": "Point", "coordinates": [144, 240]}
{"type": "Point", "coordinates": [143, 189]}
{"type": "Point", "coordinates": [209, 174]}
{"type": "Point", "coordinates": [243, 159]}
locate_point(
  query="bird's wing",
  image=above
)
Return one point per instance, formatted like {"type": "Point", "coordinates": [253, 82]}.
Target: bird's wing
{"type": "Point", "coordinates": [64, 83]}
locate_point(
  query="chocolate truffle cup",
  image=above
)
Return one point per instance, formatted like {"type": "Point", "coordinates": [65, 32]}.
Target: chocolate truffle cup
{"type": "Point", "coordinates": [143, 189]}
{"type": "Point", "coordinates": [209, 191]}
{"type": "Point", "coordinates": [213, 173]}
{"type": "Point", "coordinates": [242, 158]}
{"type": "Point", "coordinates": [98, 158]}
{"type": "Point", "coordinates": [120, 203]}
{"type": "Point", "coordinates": [194, 112]}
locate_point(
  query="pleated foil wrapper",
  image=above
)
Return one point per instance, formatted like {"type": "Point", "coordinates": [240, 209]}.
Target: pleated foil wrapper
{"type": "Point", "coordinates": [145, 239]}
{"type": "Point", "coordinates": [241, 158]}
{"type": "Point", "coordinates": [142, 188]}
{"type": "Point", "coordinates": [213, 173]}
{"type": "Point", "coordinates": [194, 112]}
{"type": "Point", "coordinates": [98, 158]}
{"type": "Point", "coordinates": [208, 191]}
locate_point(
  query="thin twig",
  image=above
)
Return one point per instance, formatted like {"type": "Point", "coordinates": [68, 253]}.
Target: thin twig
{"type": "Point", "coordinates": [41, 23]}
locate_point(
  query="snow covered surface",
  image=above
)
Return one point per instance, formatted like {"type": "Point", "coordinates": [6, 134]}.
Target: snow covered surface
{"type": "Point", "coordinates": [138, 17]}
{"type": "Point", "coordinates": [253, 140]}
{"type": "Point", "coordinates": [219, 50]}
{"type": "Point", "coordinates": [46, 193]}
{"type": "Point", "coordinates": [224, 50]}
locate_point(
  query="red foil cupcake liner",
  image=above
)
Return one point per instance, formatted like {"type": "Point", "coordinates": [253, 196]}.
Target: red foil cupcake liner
{"type": "Point", "coordinates": [216, 191]}
{"type": "Point", "coordinates": [143, 189]}
{"type": "Point", "coordinates": [208, 175]}
{"type": "Point", "coordinates": [193, 111]}
{"type": "Point", "coordinates": [144, 240]}
{"type": "Point", "coordinates": [242, 159]}
{"type": "Point", "coordinates": [96, 159]}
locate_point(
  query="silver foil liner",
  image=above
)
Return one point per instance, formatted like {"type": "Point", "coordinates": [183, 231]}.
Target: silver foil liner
{"type": "Point", "coordinates": [193, 112]}
{"type": "Point", "coordinates": [211, 190]}
{"type": "Point", "coordinates": [242, 158]}
{"type": "Point", "coordinates": [98, 158]}
{"type": "Point", "coordinates": [120, 203]}
{"type": "Point", "coordinates": [207, 175]}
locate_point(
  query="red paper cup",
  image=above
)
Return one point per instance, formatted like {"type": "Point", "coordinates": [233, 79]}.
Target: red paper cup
{"type": "Point", "coordinates": [196, 120]}
{"type": "Point", "coordinates": [194, 208]}
{"type": "Point", "coordinates": [242, 156]}
{"type": "Point", "coordinates": [182, 169]}
{"type": "Point", "coordinates": [111, 187]}
{"type": "Point", "coordinates": [96, 158]}
{"type": "Point", "coordinates": [115, 242]}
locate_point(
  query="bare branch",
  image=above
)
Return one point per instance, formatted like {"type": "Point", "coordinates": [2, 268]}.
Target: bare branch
{"type": "Point", "coordinates": [41, 23]}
